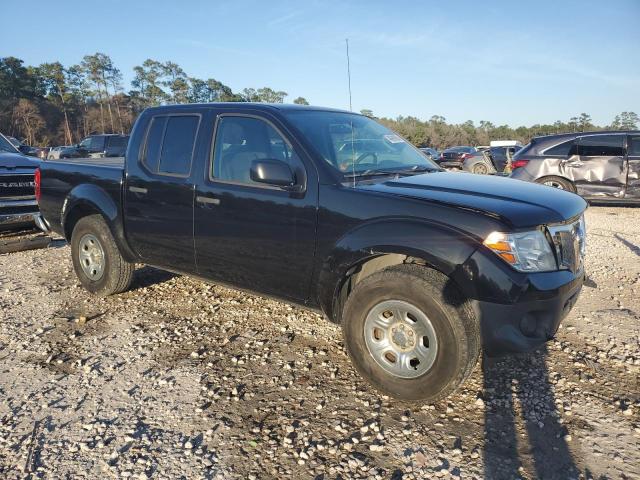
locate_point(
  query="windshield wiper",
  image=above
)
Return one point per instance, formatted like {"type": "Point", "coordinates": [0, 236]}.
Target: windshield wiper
{"type": "Point", "coordinates": [370, 173]}
{"type": "Point", "coordinates": [376, 173]}
{"type": "Point", "coordinates": [417, 169]}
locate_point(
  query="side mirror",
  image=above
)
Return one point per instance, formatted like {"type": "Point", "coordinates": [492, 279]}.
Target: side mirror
{"type": "Point", "coordinates": [272, 172]}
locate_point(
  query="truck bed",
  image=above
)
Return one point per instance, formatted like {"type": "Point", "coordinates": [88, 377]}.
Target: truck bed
{"type": "Point", "coordinates": [64, 179]}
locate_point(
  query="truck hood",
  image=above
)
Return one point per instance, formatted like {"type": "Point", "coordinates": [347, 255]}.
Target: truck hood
{"type": "Point", "coordinates": [517, 203]}
{"type": "Point", "coordinates": [12, 161]}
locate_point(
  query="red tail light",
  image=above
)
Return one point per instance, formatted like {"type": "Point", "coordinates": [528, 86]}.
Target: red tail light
{"type": "Point", "coordinates": [519, 164]}
{"type": "Point", "coordinates": [464, 156]}
{"type": "Point", "coordinates": [36, 179]}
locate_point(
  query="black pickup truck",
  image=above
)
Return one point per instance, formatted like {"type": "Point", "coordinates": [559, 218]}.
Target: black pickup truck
{"type": "Point", "coordinates": [330, 210]}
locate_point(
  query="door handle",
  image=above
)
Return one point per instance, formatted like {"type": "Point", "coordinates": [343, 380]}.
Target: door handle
{"type": "Point", "coordinates": [208, 200]}
{"type": "Point", "coordinates": [138, 190]}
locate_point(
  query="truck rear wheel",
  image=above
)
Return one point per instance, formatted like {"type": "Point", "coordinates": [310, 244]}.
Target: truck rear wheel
{"type": "Point", "coordinates": [96, 258]}
{"type": "Point", "coordinates": [410, 333]}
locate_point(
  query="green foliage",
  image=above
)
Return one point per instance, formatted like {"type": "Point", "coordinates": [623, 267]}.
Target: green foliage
{"type": "Point", "coordinates": [437, 133]}
{"type": "Point", "coordinates": [51, 103]}
{"type": "Point", "coordinates": [626, 121]}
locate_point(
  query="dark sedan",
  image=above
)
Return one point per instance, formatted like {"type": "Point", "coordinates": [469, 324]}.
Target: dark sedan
{"type": "Point", "coordinates": [454, 157]}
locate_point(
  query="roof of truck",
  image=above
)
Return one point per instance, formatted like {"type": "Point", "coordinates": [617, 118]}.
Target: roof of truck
{"type": "Point", "coordinates": [250, 106]}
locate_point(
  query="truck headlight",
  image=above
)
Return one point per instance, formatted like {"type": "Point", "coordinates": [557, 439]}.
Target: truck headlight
{"type": "Point", "coordinates": [524, 251]}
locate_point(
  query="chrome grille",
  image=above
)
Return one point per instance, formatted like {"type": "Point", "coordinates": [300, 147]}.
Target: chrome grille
{"type": "Point", "coordinates": [569, 242]}
{"type": "Point", "coordinates": [16, 185]}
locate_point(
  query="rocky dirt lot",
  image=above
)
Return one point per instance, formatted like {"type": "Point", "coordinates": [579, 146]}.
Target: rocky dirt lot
{"type": "Point", "coordinates": [180, 379]}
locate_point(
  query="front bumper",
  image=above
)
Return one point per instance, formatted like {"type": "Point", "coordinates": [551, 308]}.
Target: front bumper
{"type": "Point", "coordinates": [518, 312]}
{"type": "Point", "coordinates": [526, 325]}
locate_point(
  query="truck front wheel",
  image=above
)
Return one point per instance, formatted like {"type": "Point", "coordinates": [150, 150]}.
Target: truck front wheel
{"type": "Point", "coordinates": [410, 333]}
{"type": "Point", "coordinates": [96, 258]}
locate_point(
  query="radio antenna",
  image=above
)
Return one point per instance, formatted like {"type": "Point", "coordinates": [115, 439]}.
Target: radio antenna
{"type": "Point", "coordinates": [349, 74]}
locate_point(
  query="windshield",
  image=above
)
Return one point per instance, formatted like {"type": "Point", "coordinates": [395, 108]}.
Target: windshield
{"type": "Point", "coordinates": [354, 144]}
{"type": "Point", "coordinates": [6, 146]}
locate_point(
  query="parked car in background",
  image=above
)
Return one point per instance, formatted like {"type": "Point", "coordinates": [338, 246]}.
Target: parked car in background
{"type": "Point", "coordinates": [421, 268]}
{"type": "Point", "coordinates": [18, 205]}
{"type": "Point", "coordinates": [40, 152]}
{"type": "Point", "coordinates": [431, 153]}
{"type": "Point", "coordinates": [454, 156]}
{"type": "Point", "coordinates": [97, 146]}
{"type": "Point", "coordinates": [601, 165]}
{"type": "Point", "coordinates": [55, 152]}
{"type": "Point", "coordinates": [491, 160]}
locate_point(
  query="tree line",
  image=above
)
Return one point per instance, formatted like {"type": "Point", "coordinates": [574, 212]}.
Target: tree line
{"type": "Point", "coordinates": [437, 133]}
{"type": "Point", "coordinates": [52, 104]}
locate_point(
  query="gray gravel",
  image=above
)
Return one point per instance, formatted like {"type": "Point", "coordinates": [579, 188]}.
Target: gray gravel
{"type": "Point", "coordinates": [180, 379]}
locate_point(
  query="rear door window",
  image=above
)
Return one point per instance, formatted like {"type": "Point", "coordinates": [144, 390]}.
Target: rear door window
{"type": "Point", "coordinates": [177, 145]}
{"type": "Point", "coordinates": [634, 146]}
{"type": "Point", "coordinates": [118, 142]}
{"type": "Point", "coordinates": [96, 144]}
{"type": "Point", "coordinates": [169, 144]}
{"type": "Point", "coordinates": [601, 146]}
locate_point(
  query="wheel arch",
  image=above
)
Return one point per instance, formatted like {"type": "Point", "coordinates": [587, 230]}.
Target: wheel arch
{"type": "Point", "coordinates": [355, 257]}
{"type": "Point", "coordinates": [88, 199]}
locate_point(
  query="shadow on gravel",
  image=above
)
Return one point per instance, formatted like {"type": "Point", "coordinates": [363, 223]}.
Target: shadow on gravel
{"type": "Point", "coordinates": [634, 248]}
{"type": "Point", "coordinates": [148, 276]}
{"type": "Point", "coordinates": [535, 446]}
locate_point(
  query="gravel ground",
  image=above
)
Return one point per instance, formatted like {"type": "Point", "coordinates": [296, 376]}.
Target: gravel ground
{"type": "Point", "coordinates": [180, 379]}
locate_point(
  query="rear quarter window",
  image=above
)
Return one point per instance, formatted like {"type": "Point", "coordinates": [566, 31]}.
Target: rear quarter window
{"type": "Point", "coordinates": [559, 150]}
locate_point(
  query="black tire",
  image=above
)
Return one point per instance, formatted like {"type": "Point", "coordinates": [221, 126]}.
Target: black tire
{"type": "Point", "coordinates": [457, 331]}
{"type": "Point", "coordinates": [557, 182]}
{"type": "Point", "coordinates": [117, 274]}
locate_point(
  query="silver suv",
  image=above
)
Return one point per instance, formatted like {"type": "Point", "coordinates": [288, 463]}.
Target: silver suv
{"type": "Point", "coordinates": [602, 166]}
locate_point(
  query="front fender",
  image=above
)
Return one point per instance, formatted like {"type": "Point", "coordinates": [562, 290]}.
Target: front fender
{"type": "Point", "coordinates": [88, 199]}
{"type": "Point", "coordinates": [439, 246]}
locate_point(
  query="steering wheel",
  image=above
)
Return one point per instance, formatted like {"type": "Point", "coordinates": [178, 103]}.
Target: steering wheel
{"type": "Point", "coordinates": [365, 155]}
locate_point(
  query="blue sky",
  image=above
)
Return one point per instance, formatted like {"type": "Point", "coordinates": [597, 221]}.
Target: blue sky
{"type": "Point", "coordinates": [505, 61]}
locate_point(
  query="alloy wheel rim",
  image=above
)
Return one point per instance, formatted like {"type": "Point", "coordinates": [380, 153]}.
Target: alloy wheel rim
{"type": "Point", "coordinates": [400, 338]}
{"type": "Point", "coordinates": [554, 184]}
{"type": "Point", "coordinates": [481, 169]}
{"type": "Point", "coordinates": [91, 257]}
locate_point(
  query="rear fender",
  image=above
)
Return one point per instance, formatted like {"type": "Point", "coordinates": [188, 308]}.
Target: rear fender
{"type": "Point", "coordinates": [88, 199]}
{"type": "Point", "coordinates": [409, 241]}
